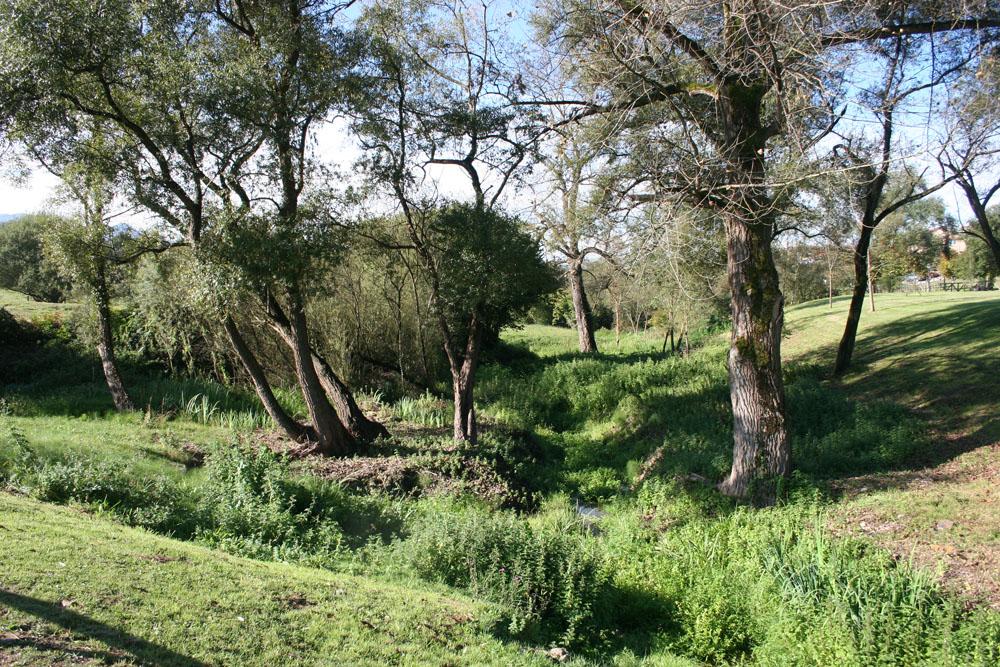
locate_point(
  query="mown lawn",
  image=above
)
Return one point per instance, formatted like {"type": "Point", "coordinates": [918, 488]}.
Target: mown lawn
{"type": "Point", "coordinates": [74, 587]}
{"type": "Point", "coordinates": [22, 306]}
{"type": "Point", "coordinates": [935, 353]}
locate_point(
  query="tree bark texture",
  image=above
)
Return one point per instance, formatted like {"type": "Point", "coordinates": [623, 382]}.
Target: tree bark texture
{"type": "Point", "coordinates": [756, 388]}
{"type": "Point", "coordinates": [354, 420]}
{"type": "Point", "coordinates": [581, 307]}
{"type": "Point", "coordinates": [463, 374]}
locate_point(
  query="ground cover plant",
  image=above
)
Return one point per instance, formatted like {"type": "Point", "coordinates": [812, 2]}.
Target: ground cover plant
{"type": "Point", "coordinates": [584, 331]}
{"type": "Point", "coordinates": [624, 553]}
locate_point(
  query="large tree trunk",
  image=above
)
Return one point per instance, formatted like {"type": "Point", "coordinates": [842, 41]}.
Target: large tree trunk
{"type": "Point", "coordinates": [332, 437]}
{"type": "Point", "coordinates": [106, 350]}
{"type": "Point", "coordinates": [354, 420]}
{"type": "Point", "coordinates": [284, 421]}
{"type": "Point", "coordinates": [846, 349]}
{"type": "Point", "coordinates": [756, 389]}
{"type": "Point", "coordinates": [581, 307]}
{"type": "Point", "coordinates": [349, 413]}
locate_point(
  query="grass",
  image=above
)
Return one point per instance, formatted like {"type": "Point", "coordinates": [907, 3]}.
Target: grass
{"type": "Point", "coordinates": [548, 341]}
{"type": "Point", "coordinates": [671, 573]}
{"type": "Point", "coordinates": [24, 307]}
{"type": "Point", "coordinates": [934, 353]}
{"type": "Point", "coordinates": [154, 447]}
{"type": "Point", "coordinates": [75, 585]}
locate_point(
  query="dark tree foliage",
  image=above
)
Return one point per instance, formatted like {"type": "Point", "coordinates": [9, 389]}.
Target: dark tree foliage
{"type": "Point", "coordinates": [23, 265]}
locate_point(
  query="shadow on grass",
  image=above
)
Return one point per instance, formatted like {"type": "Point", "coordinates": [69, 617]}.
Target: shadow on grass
{"type": "Point", "coordinates": [54, 613]}
{"type": "Point", "coordinates": [915, 376]}
{"type": "Point", "coordinates": [942, 364]}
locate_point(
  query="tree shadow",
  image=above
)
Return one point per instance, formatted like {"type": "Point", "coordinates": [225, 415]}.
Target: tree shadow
{"type": "Point", "coordinates": [917, 379]}
{"type": "Point", "coordinates": [56, 614]}
{"type": "Point", "coordinates": [941, 366]}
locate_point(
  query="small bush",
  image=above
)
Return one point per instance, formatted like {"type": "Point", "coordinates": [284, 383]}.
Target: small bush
{"type": "Point", "coordinates": [595, 486]}
{"type": "Point", "coordinates": [253, 510]}
{"type": "Point", "coordinates": [544, 581]}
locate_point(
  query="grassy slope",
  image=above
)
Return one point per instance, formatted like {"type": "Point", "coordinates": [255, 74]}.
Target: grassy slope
{"type": "Point", "coordinates": [75, 585]}
{"type": "Point", "coordinates": [935, 354]}
{"type": "Point", "coordinates": [85, 589]}
{"type": "Point", "coordinates": [21, 306]}
{"type": "Point", "coordinates": [908, 339]}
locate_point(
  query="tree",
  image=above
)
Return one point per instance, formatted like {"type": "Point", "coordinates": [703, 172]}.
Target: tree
{"type": "Point", "coordinates": [489, 273]}
{"type": "Point", "coordinates": [977, 262]}
{"type": "Point", "coordinates": [972, 145]}
{"type": "Point", "coordinates": [139, 69]}
{"type": "Point", "coordinates": [93, 253]}
{"type": "Point", "coordinates": [746, 86]}
{"type": "Point", "coordinates": [438, 99]}
{"type": "Point", "coordinates": [23, 266]}
{"type": "Point", "coordinates": [571, 217]}
{"type": "Point", "coordinates": [905, 243]}
{"type": "Point", "coordinates": [212, 139]}
{"type": "Point", "coordinates": [870, 167]}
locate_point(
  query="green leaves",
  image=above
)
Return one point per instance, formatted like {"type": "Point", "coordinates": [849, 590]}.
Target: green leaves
{"type": "Point", "coordinates": [488, 266]}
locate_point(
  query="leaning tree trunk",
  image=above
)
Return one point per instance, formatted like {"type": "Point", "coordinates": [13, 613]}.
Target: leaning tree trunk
{"type": "Point", "coordinates": [284, 421]}
{"type": "Point", "coordinates": [359, 426]}
{"type": "Point", "coordinates": [581, 307]}
{"type": "Point", "coordinates": [106, 350]}
{"type": "Point", "coordinates": [846, 349]}
{"type": "Point", "coordinates": [332, 437]}
{"type": "Point", "coordinates": [756, 389]}
{"type": "Point", "coordinates": [354, 420]}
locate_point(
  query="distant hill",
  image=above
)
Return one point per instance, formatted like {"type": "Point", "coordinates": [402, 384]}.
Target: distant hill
{"type": "Point", "coordinates": [5, 217]}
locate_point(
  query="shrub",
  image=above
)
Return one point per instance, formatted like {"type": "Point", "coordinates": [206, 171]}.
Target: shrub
{"type": "Point", "coordinates": [595, 486]}
{"type": "Point", "coordinates": [544, 581]}
{"type": "Point", "coordinates": [253, 510]}
{"type": "Point", "coordinates": [156, 503]}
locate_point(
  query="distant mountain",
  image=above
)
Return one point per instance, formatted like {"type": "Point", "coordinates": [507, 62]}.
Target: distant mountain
{"type": "Point", "coordinates": [4, 217]}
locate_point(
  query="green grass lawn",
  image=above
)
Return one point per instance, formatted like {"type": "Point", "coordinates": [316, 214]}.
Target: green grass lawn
{"type": "Point", "coordinates": [77, 588]}
{"type": "Point", "coordinates": [24, 307]}
{"type": "Point", "coordinates": [935, 354]}
{"type": "Point", "coordinates": [154, 447]}
{"type": "Point", "coordinates": [896, 453]}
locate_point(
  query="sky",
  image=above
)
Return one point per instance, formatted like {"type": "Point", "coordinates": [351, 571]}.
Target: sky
{"type": "Point", "coordinates": [29, 195]}
{"type": "Point", "coordinates": [35, 192]}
